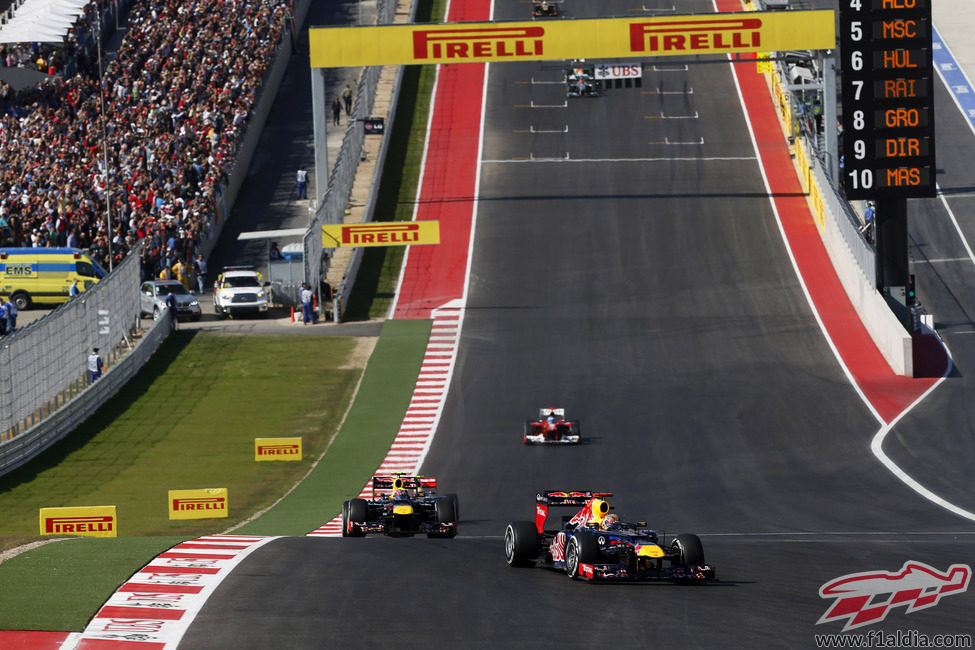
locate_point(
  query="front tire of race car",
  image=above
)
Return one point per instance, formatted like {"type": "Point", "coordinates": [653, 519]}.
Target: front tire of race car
{"type": "Point", "coordinates": [358, 510]}
{"type": "Point", "coordinates": [446, 513]}
{"type": "Point", "coordinates": [688, 550]}
{"type": "Point", "coordinates": [581, 549]}
{"type": "Point", "coordinates": [520, 544]}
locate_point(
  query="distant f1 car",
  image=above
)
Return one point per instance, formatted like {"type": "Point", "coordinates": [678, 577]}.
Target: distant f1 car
{"type": "Point", "coordinates": [546, 8]}
{"type": "Point", "coordinates": [551, 428]}
{"type": "Point", "coordinates": [595, 545]}
{"type": "Point", "coordinates": [581, 81]}
{"type": "Point", "coordinates": [401, 506]}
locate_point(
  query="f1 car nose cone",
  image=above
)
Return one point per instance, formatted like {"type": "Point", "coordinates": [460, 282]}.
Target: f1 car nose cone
{"type": "Point", "coordinates": [649, 550]}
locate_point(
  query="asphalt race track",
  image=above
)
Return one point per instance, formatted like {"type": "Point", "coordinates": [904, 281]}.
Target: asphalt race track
{"type": "Point", "coordinates": [628, 267]}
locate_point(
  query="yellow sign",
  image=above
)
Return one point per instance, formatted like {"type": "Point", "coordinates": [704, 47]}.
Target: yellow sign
{"type": "Point", "coordinates": [584, 38]}
{"type": "Point", "coordinates": [398, 233]}
{"type": "Point", "coordinates": [277, 448]}
{"type": "Point", "coordinates": [765, 63]}
{"type": "Point", "coordinates": [90, 521]}
{"type": "Point", "coordinates": [205, 503]}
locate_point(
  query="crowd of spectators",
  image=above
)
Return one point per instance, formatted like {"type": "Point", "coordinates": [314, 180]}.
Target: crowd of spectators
{"type": "Point", "coordinates": [174, 102]}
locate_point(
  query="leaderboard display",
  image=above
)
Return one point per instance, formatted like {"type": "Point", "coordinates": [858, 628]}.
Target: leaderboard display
{"type": "Point", "coordinates": [888, 95]}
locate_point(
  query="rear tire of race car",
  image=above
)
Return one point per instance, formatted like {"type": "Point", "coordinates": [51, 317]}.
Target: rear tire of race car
{"type": "Point", "coordinates": [688, 550]}
{"type": "Point", "coordinates": [358, 511]}
{"type": "Point", "coordinates": [446, 513]}
{"type": "Point", "coordinates": [581, 549]}
{"type": "Point", "coordinates": [521, 544]}
{"type": "Point", "coordinates": [345, 519]}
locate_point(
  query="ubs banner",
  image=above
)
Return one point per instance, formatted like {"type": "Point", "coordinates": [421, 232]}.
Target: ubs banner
{"type": "Point", "coordinates": [584, 38]}
{"type": "Point", "coordinates": [90, 521]}
{"type": "Point", "coordinates": [205, 503]}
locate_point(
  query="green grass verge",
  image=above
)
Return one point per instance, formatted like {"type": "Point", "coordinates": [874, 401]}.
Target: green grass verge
{"type": "Point", "coordinates": [188, 420]}
{"type": "Point", "coordinates": [59, 586]}
{"type": "Point", "coordinates": [367, 433]}
{"type": "Point", "coordinates": [134, 449]}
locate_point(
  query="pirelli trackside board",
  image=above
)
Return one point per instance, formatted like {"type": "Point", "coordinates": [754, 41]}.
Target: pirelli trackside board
{"type": "Point", "coordinates": [591, 38]}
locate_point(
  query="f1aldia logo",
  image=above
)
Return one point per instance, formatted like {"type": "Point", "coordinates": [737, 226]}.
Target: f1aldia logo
{"type": "Point", "coordinates": [867, 598]}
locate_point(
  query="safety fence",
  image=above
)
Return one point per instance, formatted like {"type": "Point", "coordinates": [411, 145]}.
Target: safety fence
{"type": "Point", "coordinates": [42, 365]}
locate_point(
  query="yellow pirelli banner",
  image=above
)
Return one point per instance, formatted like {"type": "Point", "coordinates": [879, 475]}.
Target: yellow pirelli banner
{"type": "Point", "coordinates": [583, 38]}
{"type": "Point", "coordinates": [204, 503]}
{"type": "Point", "coordinates": [277, 448]}
{"type": "Point", "coordinates": [397, 233]}
{"type": "Point", "coordinates": [90, 521]}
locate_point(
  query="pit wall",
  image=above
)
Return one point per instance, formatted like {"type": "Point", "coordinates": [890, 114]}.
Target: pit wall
{"type": "Point", "coordinates": [852, 257]}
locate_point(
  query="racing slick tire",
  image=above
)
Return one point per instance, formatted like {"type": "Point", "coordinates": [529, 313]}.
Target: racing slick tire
{"type": "Point", "coordinates": [581, 549]}
{"type": "Point", "coordinates": [446, 513]}
{"type": "Point", "coordinates": [358, 510]}
{"type": "Point", "coordinates": [688, 550]}
{"type": "Point", "coordinates": [520, 544]}
{"type": "Point", "coordinates": [456, 502]}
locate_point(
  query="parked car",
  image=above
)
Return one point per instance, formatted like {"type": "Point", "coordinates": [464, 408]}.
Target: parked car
{"type": "Point", "coordinates": [152, 299]}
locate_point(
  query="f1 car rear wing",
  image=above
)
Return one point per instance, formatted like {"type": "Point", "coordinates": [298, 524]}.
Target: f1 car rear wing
{"type": "Point", "coordinates": [557, 412]}
{"type": "Point", "coordinates": [559, 498]}
{"type": "Point", "coordinates": [386, 484]}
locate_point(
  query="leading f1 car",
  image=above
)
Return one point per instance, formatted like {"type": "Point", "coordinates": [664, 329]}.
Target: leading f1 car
{"type": "Point", "coordinates": [401, 506]}
{"type": "Point", "coordinates": [594, 544]}
{"type": "Point", "coordinates": [551, 428]}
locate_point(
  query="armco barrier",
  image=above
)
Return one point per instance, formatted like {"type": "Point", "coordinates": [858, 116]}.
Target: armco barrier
{"type": "Point", "coordinates": [17, 451]}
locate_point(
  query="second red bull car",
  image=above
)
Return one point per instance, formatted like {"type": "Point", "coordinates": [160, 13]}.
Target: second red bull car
{"type": "Point", "coordinates": [596, 545]}
{"type": "Point", "coordinates": [401, 506]}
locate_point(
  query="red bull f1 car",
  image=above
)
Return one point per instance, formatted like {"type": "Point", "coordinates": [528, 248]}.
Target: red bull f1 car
{"type": "Point", "coordinates": [551, 428]}
{"type": "Point", "coordinates": [596, 545]}
{"type": "Point", "coordinates": [401, 506]}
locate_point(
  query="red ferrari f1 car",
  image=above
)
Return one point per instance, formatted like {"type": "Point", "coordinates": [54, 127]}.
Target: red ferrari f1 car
{"type": "Point", "coordinates": [551, 428]}
{"type": "Point", "coordinates": [596, 545]}
{"type": "Point", "coordinates": [401, 506]}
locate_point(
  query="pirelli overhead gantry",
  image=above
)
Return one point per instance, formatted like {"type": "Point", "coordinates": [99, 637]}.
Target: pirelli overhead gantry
{"type": "Point", "coordinates": [558, 39]}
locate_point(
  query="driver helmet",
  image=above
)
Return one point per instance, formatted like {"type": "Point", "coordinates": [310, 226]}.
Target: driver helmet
{"type": "Point", "coordinates": [551, 419]}
{"type": "Point", "coordinates": [609, 521]}
{"type": "Point", "coordinates": [400, 495]}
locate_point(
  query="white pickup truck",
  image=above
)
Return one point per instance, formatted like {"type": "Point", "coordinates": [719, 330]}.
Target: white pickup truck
{"type": "Point", "coordinates": [239, 290]}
